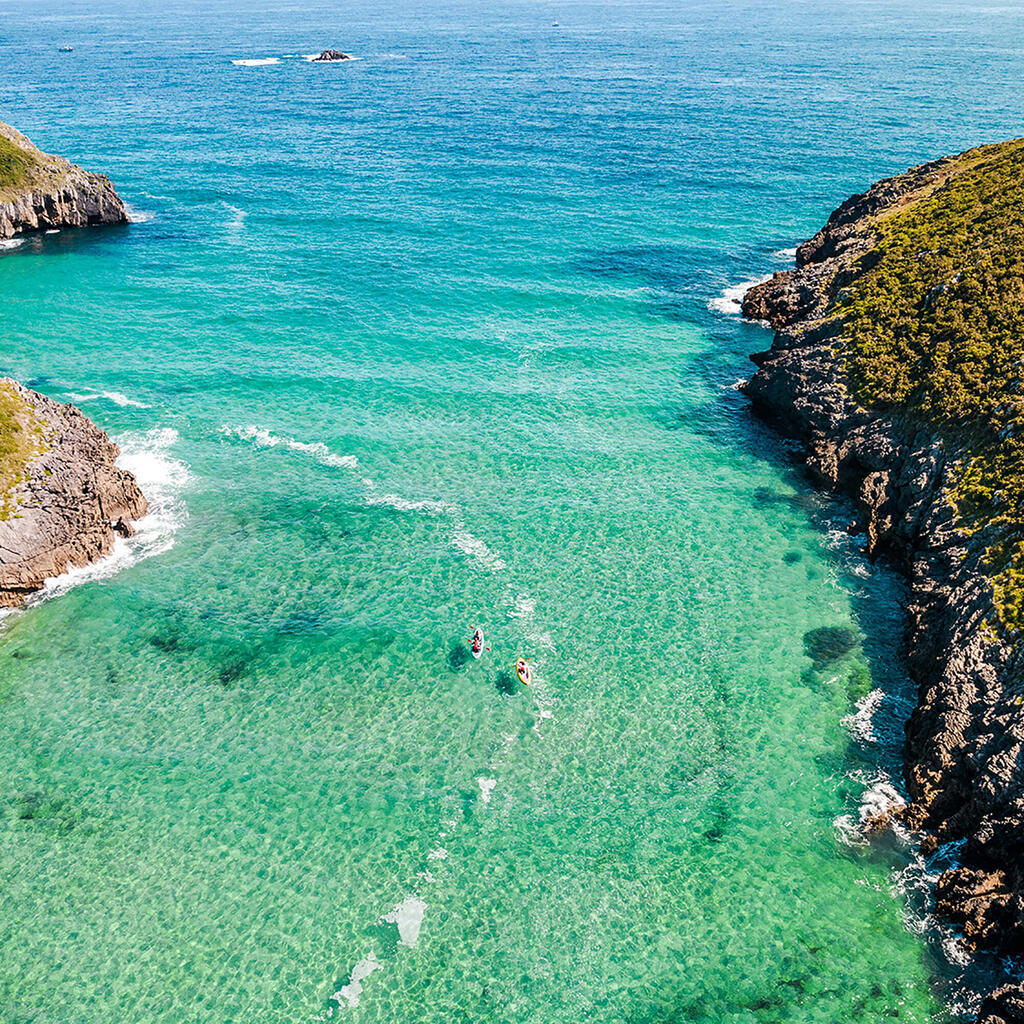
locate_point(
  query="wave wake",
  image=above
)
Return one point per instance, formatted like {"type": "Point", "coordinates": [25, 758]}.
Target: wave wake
{"type": "Point", "coordinates": [111, 396]}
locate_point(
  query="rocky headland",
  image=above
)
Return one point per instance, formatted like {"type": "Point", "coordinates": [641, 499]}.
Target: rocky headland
{"type": "Point", "coordinates": [898, 362]}
{"type": "Point", "coordinates": [63, 499]}
{"type": "Point", "coordinates": [39, 192]}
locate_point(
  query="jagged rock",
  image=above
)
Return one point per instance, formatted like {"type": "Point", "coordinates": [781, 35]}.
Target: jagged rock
{"type": "Point", "coordinates": [72, 504]}
{"type": "Point", "coordinates": [964, 757]}
{"type": "Point", "coordinates": [1004, 1006]}
{"type": "Point", "coordinates": [332, 55]}
{"type": "Point", "coordinates": [54, 194]}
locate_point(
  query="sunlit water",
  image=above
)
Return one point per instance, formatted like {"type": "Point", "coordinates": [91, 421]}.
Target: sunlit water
{"type": "Point", "coordinates": [436, 338]}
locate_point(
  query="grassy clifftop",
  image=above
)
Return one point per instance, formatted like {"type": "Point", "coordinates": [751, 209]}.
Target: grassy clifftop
{"type": "Point", "coordinates": [934, 327]}
{"type": "Point", "coordinates": [18, 167]}
{"type": "Point", "coordinates": [21, 439]}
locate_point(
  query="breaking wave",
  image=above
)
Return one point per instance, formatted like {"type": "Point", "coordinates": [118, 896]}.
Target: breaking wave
{"type": "Point", "coordinates": [730, 302]}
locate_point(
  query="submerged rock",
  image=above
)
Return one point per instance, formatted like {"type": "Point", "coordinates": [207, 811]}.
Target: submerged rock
{"type": "Point", "coordinates": [66, 501]}
{"type": "Point", "coordinates": [40, 192]}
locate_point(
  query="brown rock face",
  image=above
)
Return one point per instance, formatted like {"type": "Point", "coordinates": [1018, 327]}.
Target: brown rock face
{"type": "Point", "coordinates": [74, 503]}
{"type": "Point", "coordinates": [58, 194]}
{"type": "Point", "coordinates": [964, 757]}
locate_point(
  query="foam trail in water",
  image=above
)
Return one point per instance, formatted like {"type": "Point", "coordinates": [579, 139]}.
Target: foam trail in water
{"type": "Point", "coordinates": [111, 396]}
{"type": "Point", "coordinates": [237, 221]}
{"type": "Point", "coordinates": [263, 438]}
{"type": "Point", "coordinates": [256, 62]}
{"type": "Point", "coordinates": [161, 478]}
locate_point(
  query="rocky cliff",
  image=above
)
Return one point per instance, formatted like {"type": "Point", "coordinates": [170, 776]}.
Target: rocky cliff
{"type": "Point", "coordinates": [65, 500]}
{"type": "Point", "coordinates": [39, 192]}
{"type": "Point", "coordinates": [896, 361]}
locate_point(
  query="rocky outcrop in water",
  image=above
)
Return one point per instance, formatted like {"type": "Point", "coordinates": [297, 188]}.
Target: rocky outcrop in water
{"type": "Point", "coordinates": [68, 501]}
{"type": "Point", "coordinates": [39, 192]}
{"type": "Point", "coordinates": [328, 55]}
{"type": "Point", "coordinates": [965, 738]}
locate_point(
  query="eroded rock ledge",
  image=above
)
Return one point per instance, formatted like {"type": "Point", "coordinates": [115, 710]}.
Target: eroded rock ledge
{"type": "Point", "coordinates": [67, 502]}
{"type": "Point", "coordinates": [40, 192]}
{"type": "Point", "coordinates": [965, 739]}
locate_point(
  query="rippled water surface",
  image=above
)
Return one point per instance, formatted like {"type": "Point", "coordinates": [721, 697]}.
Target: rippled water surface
{"type": "Point", "coordinates": [435, 338]}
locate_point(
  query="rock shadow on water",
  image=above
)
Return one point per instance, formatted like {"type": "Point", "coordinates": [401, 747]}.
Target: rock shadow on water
{"type": "Point", "coordinates": [458, 657]}
{"type": "Point", "coordinates": [828, 644]}
{"type": "Point", "coordinates": [233, 669]}
{"type": "Point", "coordinates": [506, 684]}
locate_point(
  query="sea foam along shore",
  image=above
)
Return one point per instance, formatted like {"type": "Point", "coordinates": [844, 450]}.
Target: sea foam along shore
{"type": "Point", "coordinates": [163, 479]}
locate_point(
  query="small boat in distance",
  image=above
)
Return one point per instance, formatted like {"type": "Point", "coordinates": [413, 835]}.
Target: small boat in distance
{"type": "Point", "coordinates": [65, 49]}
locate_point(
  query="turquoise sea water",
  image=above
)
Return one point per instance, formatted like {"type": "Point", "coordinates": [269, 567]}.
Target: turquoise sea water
{"type": "Point", "coordinates": [436, 338]}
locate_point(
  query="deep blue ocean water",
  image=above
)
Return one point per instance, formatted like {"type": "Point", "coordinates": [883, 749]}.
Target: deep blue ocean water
{"type": "Point", "coordinates": [445, 336]}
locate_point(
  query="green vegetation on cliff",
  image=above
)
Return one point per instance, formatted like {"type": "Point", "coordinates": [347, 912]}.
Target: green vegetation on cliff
{"type": "Point", "coordinates": [935, 326]}
{"type": "Point", "coordinates": [21, 439]}
{"type": "Point", "coordinates": [16, 167]}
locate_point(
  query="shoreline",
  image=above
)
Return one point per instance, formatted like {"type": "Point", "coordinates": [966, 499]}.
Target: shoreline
{"type": "Point", "coordinates": [899, 471]}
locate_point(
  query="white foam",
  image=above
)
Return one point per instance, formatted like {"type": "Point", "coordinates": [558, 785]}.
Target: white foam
{"type": "Point", "coordinates": [11, 243]}
{"type": "Point", "coordinates": [138, 216]}
{"type": "Point", "coordinates": [880, 797]}
{"type": "Point", "coordinates": [161, 479]}
{"type": "Point", "coordinates": [375, 496]}
{"type": "Point", "coordinates": [52, 231]}
{"type": "Point", "coordinates": [408, 916]}
{"type": "Point", "coordinates": [785, 254]}
{"type": "Point", "coordinates": [730, 302]}
{"type": "Point", "coordinates": [486, 788]}
{"type": "Point", "coordinates": [237, 221]}
{"type": "Point", "coordinates": [476, 548]}
{"type": "Point", "coordinates": [860, 723]}
{"type": "Point", "coordinates": [351, 992]}
{"type": "Point", "coordinates": [256, 62]}
{"type": "Point", "coordinates": [111, 396]}
{"type": "Point", "coordinates": [439, 854]}
{"type": "Point", "coordinates": [317, 450]}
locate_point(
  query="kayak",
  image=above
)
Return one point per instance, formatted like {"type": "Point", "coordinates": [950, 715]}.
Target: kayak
{"type": "Point", "coordinates": [524, 672]}
{"type": "Point", "coordinates": [476, 645]}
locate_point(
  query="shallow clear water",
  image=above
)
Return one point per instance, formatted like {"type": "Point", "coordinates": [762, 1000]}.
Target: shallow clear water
{"type": "Point", "coordinates": [420, 342]}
